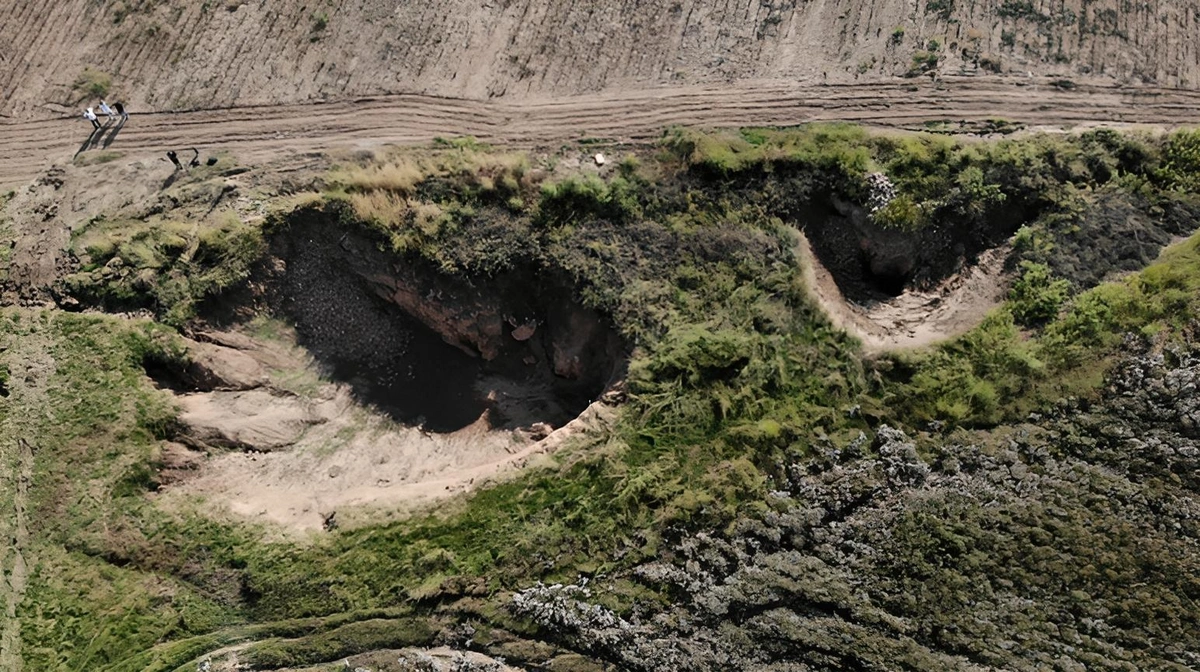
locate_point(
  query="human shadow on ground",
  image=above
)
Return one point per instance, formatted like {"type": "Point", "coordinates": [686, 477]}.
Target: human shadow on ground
{"type": "Point", "coordinates": [112, 135]}
{"type": "Point", "coordinates": [96, 132]}
{"type": "Point", "coordinates": [171, 178]}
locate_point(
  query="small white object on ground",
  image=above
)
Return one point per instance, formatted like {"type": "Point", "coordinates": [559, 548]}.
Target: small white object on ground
{"type": "Point", "coordinates": [599, 159]}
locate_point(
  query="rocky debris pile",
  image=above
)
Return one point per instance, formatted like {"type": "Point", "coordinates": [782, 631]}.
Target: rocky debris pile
{"type": "Point", "coordinates": [1067, 545]}
{"type": "Point", "coordinates": [563, 611]}
{"type": "Point", "coordinates": [1148, 425]}
{"type": "Point", "coordinates": [559, 607]}
{"type": "Point", "coordinates": [444, 660]}
{"type": "Point", "coordinates": [880, 192]}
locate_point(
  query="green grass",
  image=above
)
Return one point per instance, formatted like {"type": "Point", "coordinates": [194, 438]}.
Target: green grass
{"type": "Point", "coordinates": [735, 372]}
{"type": "Point", "coordinates": [95, 424]}
{"type": "Point", "coordinates": [162, 265]}
{"type": "Point", "coordinates": [97, 158]}
{"type": "Point", "coordinates": [92, 83]}
{"type": "Point", "coordinates": [995, 373]}
{"type": "Point", "coordinates": [941, 179]}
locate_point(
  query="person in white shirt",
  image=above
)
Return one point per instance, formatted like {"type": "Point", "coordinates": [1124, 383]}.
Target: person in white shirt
{"type": "Point", "coordinates": [91, 116]}
{"type": "Point", "coordinates": [107, 111]}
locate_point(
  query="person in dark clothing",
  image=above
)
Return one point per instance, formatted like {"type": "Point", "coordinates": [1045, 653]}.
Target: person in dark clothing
{"type": "Point", "coordinates": [174, 159]}
{"type": "Point", "coordinates": [195, 162]}
{"type": "Point", "coordinates": [120, 108]}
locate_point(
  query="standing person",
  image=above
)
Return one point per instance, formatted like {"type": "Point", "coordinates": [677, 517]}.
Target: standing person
{"type": "Point", "coordinates": [121, 111]}
{"type": "Point", "coordinates": [107, 111]}
{"type": "Point", "coordinates": [174, 159]}
{"type": "Point", "coordinates": [91, 116]}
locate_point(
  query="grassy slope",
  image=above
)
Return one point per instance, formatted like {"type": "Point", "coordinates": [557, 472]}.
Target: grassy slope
{"type": "Point", "coordinates": [735, 374]}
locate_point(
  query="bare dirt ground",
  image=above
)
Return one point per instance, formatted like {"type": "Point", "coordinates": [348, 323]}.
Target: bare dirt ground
{"type": "Point", "coordinates": [259, 134]}
{"type": "Point", "coordinates": [916, 318]}
{"type": "Point", "coordinates": [304, 450]}
{"type": "Point", "coordinates": [42, 214]}
{"type": "Point", "coordinates": [162, 55]}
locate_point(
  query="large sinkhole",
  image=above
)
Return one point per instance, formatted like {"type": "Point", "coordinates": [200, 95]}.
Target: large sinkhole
{"type": "Point", "coordinates": [870, 263]}
{"type": "Point", "coordinates": [439, 351]}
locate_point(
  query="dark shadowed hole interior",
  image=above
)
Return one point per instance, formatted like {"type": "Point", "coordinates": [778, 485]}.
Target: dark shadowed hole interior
{"type": "Point", "coordinates": [397, 364]}
{"type": "Point", "coordinates": [390, 360]}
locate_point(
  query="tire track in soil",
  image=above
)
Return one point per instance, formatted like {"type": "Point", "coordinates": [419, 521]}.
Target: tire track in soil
{"type": "Point", "coordinates": [28, 357]}
{"type": "Point", "coordinates": [16, 572]}
{"type": "Point", "coordinates": [263, 133]}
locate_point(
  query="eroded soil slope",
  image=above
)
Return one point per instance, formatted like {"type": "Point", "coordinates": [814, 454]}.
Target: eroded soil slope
{"type": "Point", "coordinates": [220, 53]}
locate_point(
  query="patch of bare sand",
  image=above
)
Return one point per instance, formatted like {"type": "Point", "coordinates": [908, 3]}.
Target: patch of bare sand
{"type": "Point", "coordinates": [915, 318]}
{"type": "Point", "coordinates": [305, 450]}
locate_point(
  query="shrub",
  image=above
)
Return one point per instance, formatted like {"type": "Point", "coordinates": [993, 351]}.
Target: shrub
{"type": "Point", "coordinates": [923, 61]}
{"type": "Point", "coordinates": [1035, 297]}
{"type": "Point", "coordinates": [92, 83]}
{"type": "Point", "coordinates": [901, 213]}
{"type": "Point", "coordinates": [1181, 162]}
{"type": "Point", "coordinates": [320, 21]}
{"type": "Point", "coordinates": [942, 8]}
{"type": "Point", "coordinates": [582, 198]}
{"type": "Point", "coordinates": [695, 355]}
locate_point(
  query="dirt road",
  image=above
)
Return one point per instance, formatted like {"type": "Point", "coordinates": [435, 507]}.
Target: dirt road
{"type": "Point", "coordinates": [256, 134]}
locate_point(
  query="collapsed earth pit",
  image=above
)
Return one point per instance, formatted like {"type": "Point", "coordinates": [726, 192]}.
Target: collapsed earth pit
{"type": "Point", "coordinates": [439, 351]}
{"type": "Point", "coordinates": [871, 263]}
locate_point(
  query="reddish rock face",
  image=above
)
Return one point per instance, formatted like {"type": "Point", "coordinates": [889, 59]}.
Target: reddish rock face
{"type": "Point", "coordinates": [572, 341]}
{"type": "Point", "coordinates": [464, 318]}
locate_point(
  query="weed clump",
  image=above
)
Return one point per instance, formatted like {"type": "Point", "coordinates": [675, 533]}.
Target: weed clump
{"type": "Point", "coordinates": [169, 269]}
{"type": "Point", "coordinates": [1035, 296]}
{"type": "Point", "coordinates": [92, 83]}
